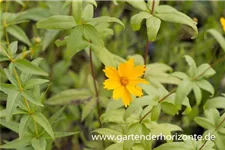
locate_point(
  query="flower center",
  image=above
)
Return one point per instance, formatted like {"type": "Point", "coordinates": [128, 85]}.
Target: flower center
{"type": "Point", "coordinates": [124, 81]}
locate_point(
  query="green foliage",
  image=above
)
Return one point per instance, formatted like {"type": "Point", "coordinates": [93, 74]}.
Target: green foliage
{"type": "Point", "coordinates": [63, 91]}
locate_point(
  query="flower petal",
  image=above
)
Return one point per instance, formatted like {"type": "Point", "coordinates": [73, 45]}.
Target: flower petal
{"type": "Point", "coordinates": [137, 71]}
{"type": "Point", "coordinates": [111, 73]}
{"type": "Point", "coordinates": [222, 21]}
{"type": "Point", "coordinates": [117, 93]}
{"type": "Point", "coordinates": [138, 81]}
{"type": "Point", "coordinates": [126, 97]}
{"type": "Point", "coordinates": [125, 69]}
{"type": "Point", "coordinates": [111, 84]}
{"type": "Point", "coordinates": [135, 90]}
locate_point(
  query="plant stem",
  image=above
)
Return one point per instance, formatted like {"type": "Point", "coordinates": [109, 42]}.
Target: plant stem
{"type": "Point", "coordinates": [95, 86]}
{"type": "Point", "coordinates": [148, 42]}
{"type": "Point", "coordinates": [26, 102]}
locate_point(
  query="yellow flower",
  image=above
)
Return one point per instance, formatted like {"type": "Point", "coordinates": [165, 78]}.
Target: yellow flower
{"type": "Point", "coordinates": [124, 81]}
{"type": "Point", "coordinates": [222, 21]}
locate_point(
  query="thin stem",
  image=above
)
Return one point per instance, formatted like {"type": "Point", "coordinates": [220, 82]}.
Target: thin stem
{"type": "Point", "coordinates": [161, 100]}
{"type": "Point", "coordinates": [35, 126]}
{"type": "Point", "coordinates": [203, 145]}
{"type": "Point", "coordinates": [148, 42]}
{"type": "Point", "coordinates": [95, 86]}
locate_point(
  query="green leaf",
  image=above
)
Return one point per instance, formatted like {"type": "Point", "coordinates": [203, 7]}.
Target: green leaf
{"type": "Point", "coordinates": [23, 125]}
{"type": "Point", "coordinates": [205, 123]}
{"type": "Point", "coordinates": [76, 42]}
{"type": "Point", "coordinates": [104, 19]}
{"type": "Point", "coordinates": [33, 82]}
{"type": "Point", "coordinates": [34, 14]}
{"type": "Point", "coordinates": [170, 14]}
{"type": "Point", "coordinates": [113, 116]}
{"type": "Point", "coordinates": [10, 77]}
{"type": "Point", "coordinates": [132, 110]}
{"type": "Point", "coordinates": [153, 25]}
{"type": "Point", "coordinates": [18, 33]}
{"type": "Point", "coordinates": [57, 22]}
{"type": "Point", "coordinates": [147, 144]}
{"type": "Point", "coordinates": [56, 115]}
{"type": "Point", "coordinates": [49, 36]}
{"type": "Point", "coordinates": [27, 67]}
{"type": "Point", "coordinates": [88, 12]}
{"type": "Point", "coordinates": [77, 11]}
{"type": "Point", "coordinates": [198, 94]}
{"type": "Point", "coordinates": [221, 121]}
{"type": "Point", "coordinates": [13, 47]}
{"type": "Point", "coordinates": [7, 88]}
{"type": "Point", "coordinates": [17, 143]}
{"type": "Point", "coordinates": [107, 131]}
{"type": "Point", "coordinates": [117, 146]}
{"type": "Point", "coordinates": [71, 96]}
{"type": "Point", "coordinates": [171, 146]}
{"type": "Point", "coordinates": [205, 70]}
{"type": "Point", "coordinates": [184, 88]}
{"type": "Point", "coordinates": [193, 69]}
{"type": "Point", "coordinates": [88, 108]}
{"type": "Point", "coordinates": [63, 134]}
{"type": "Point", "coordinates": [140, 4]}
{"type": "Point", "coordinates": [30, 97]}
{"type": "Point", "coordinates": [219, 141]}
{"type": "Point", "coordinates": [39, 144]}
{"type": "Point", "coordinates": [137, 19]}
{"type": "Point", "coordinates": [14, 126]}
{"type": "Point", "coordinates": [11, 104]}
{"type": "Point", "coordinates": [205, 85]}
{"type": "Point", "coordinates": [217, 102]}
{"type": "Point", "coordinates": [135, 129]}
{"type": "Point", "coordinates": [43, 121]}
{"type": "Point", "coordinates": [218, 36]}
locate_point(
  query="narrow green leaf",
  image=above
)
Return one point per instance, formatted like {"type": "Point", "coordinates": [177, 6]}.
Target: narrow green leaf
{"type": "Point", "coordinates": [75, 96]}
{"type": "Point", "coordinates": [137, 19]}
{"type": "Point", "coordinates": [14, 126]}
{"type": "Point", "coordinates": [10, 77]}
{"type": "Point", "coordinates": [23, 124]}
{"type": "Point", "coordinates": [205, 85]}
{"type": "Point", "coordinates": [57, 22]}
{"type": "Point", "coordinates": [49, 36]}
{"type": "Point", "coordinates": [153, 25]}
{"type": "Point", "coordinates": [11, 104]}
{"type": "Point", "coordinates": [27, 67]}
{"type": "Point", "coordinates": [184, 88]}
{"type": "Point", "coordinates": [205, 123]}
{"type": "Point", "coordinates": [198, 94]}
{"type": "Point", "coordinates": [193, 69]}
{"type": "Point", "coordinates": [217, 102]}
{"type": "Point", "coordinates": [56, 115]}
{"type": "Point", "coordinates": [7, 88]}
{"type": "Point", "coordinates": [17, 143]}
{"type": "Point", "coordinates": [77, 11]}
{"type": "Point", "coordinates": [13, 47]}
{"type": "Point", "coordinates": [140, 4]}
{"type": "Point", "coordinates": [104, 19]}
{"type": "Point", "coordinates": [30, 97]}
{"type": "Point", "coordinates": [33, 82]}
{"type": "Point", "coordinates": [218, 36]}
{"type": "Point", "coordinates": [43, 121]}
{"type": "Point", "coordinates": [88, 108]}
{"type": "Point", "coordinates": [39, 144]}
{"type": "Point", "coordinates": [18, 33]}
{"type": "Point", "coordinates": [76, 42]}
{"type": "Point", "coordinates": [205, 70]}
{"type": "Point", "coordinates": [170, 14]}
{"type": "Point", "coordinates": [88, 12]}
